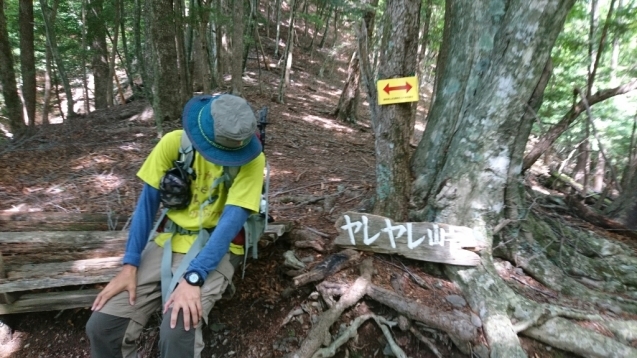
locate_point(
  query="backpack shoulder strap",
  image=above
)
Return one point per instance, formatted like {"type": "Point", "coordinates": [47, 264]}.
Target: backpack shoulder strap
{"type": "Point", "coordinates": [186, 154]}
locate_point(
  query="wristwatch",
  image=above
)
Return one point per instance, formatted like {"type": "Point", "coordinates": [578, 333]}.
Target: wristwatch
{"type": "Point", "coordinates": [193, 278]}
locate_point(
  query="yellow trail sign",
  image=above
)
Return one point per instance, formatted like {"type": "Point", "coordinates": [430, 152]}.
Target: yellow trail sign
{"type": "Point", "coordinates": [397, 90]}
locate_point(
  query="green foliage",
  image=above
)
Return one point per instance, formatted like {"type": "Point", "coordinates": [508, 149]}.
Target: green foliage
{"type": "Point", "coordinates": [613, 118]}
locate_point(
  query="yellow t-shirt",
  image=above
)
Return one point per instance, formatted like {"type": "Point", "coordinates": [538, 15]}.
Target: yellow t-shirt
{"type": "Point", "coordinates": [244, 192]}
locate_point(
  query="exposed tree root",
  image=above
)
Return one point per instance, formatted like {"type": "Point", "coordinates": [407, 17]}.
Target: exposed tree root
{"type": "Point", "coordinates": [491, 298]}
{"type": "Point", "coordinates": [532, 254]}
{"type": "Point", "coordinates": [625, 331]}
{"type": "Point", "coordinates": [456, 324]}
{"type": "Point", "coordinates": [561, 333]}
{"type": "Point", "coordinates": [320, 332]}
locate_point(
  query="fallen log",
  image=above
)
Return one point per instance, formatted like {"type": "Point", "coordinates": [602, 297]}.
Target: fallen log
{"type": "Point", "coordinates": [54, 221]}
{"type": "Point", "coordinates": [329, 266]}
{"type": "Point", "coordinates": [585, 213]}
{"type": "Point", "coordinates": [19, 248]}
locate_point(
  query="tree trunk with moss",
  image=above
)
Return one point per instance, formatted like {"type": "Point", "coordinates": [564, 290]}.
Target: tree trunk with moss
{"type": "Point", "coordinates": [467, 172]}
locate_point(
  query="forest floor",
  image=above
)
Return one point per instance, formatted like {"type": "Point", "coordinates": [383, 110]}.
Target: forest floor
{"type": "Point", "coordinates": [89, 166]}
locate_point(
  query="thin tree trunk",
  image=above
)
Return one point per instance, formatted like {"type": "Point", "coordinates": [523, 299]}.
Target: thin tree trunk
{"type": "Point", "coordinates": [27, 59]}
{"type": "Point", "coordinates": [592, 28]}
{"type": "Point", "coordinates": [96, 33]}
{"type": "Point", "coordinates": [87, 103]}
{"type": "Point", "coordinates": [600, 48]}
{"type": "Point", "coordinates": [12, 101]}
{"type": "Point", "coordinates": [249, 31]}
{"type": "Point", "coordinates": [46, 97]}
{"type": "Point", "coordinates": [346, 110]}
{"type": "Point", "coordinates": [237, 48]}
{"type": "Point", "coordinates": [631, 165]}
{"type": "Point", "coordinates": [56, 87]}
{"type": "Point", "coordinates": [142, 65]}
{"type": "Point", "coordinates": [182, 58]}
{"type": "Point", "coordinates": [580, 172]}
{"type": "Point", "coordinates": [327, 25]}
{"type": "Point", "coordinates": [278, 28]}
{"type": "Point", "coordinates": [111, 61]}
{"type": "Point", "coordinates": [51, 38]}
{"type": "Point", "coordinates": [600, 170]}
{"type": "Point", "coordinates": [127, 54]}
{"type": "Point", "coordinates": [289, 48]}
{"type": "Point", "coordinates": [424, 41]}
{"type": "Point", "coordinates": [614, 60]}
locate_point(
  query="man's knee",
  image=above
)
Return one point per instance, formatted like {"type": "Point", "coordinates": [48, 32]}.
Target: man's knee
{"type": "Point", "coordinates": [176, 340]}
{"type": "Point", "coordinates": [106, 334]}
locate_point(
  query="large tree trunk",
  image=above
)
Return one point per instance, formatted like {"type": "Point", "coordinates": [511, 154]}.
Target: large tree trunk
{"type": "Point", "coordinates": [7, 79]}
{"type": "Point", "coordinates": [27, 59]}
{"type": "Point", "coordinates": [96, 33]}
{"type": "Point", "coordinates": [393, 124]}
{"type": "Point", "coordinates": [489, 68]}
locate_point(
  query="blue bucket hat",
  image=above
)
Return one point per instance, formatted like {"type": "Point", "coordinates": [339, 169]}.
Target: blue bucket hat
{"type": "Point", "coordinates": [222, 129]}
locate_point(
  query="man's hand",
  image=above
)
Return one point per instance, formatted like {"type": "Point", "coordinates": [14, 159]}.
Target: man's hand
{"type": "Point", "coordinates": [185, 297]}
{"type": "Point", "coordinates": [126, 280]}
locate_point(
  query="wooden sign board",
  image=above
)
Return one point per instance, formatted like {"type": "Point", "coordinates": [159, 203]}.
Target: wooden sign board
{"type": "Point", "coordinates": [423, 241]}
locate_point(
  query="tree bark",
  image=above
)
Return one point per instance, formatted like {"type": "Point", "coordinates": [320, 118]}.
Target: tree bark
{"type": "Point", "coordinates": [111, 61]}
{"type": "Point", "coordinates": [8, 81]}
{"type": "Point", "coordinates": [237, 47]}
{"type": "Point", "coordinates": [468, 160]}
{"type": "Point", "coordinates": [52, 40]}
{"type": "Point", "coordinates": [27, 59]}
{"type": "Point", "coordinates": [96, 33]}
{"type": "Point", "coordinates": [167, 103]}
{"type": "Point", "coordinates": [393, 124]}
{"type": "Point", "coordinates": [346, 110]}
{"type": "Point", "coordinates": [289, 49]}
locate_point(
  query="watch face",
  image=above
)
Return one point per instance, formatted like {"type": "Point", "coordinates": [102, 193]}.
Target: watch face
{"type": "Point", "coordinates": [192, 278]}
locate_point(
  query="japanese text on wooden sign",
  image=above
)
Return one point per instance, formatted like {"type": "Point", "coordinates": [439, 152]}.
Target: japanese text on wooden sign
{"type": "Point", "coordinates": [419, 240]}
{"type": "Point", "coordinates": [397, 90]}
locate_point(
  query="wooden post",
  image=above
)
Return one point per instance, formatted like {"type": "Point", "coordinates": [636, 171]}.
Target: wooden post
{"type": "Point", "coordinates": [5, 298]}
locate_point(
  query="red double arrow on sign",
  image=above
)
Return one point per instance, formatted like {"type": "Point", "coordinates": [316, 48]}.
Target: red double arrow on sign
{"type": "Point", "coordinates": [406, 87]}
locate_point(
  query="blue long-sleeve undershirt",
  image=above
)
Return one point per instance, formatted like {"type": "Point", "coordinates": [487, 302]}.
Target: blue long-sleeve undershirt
{"type": "Point", "coordinates": [230, 223]}
{"type": "Point", "coordinates": [141, 224]}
